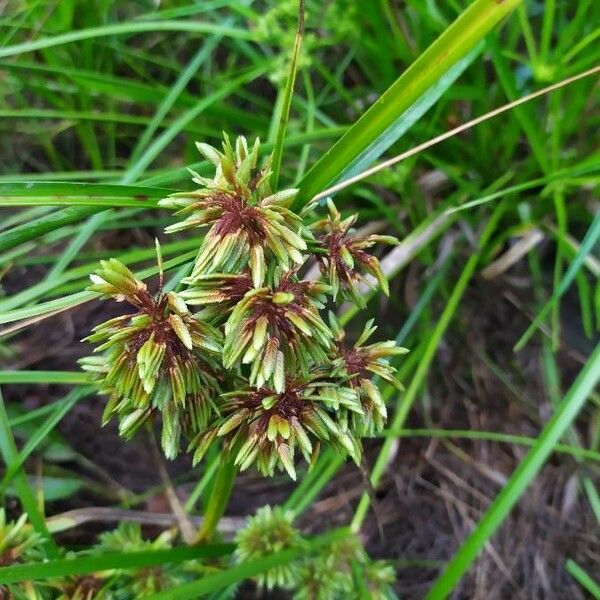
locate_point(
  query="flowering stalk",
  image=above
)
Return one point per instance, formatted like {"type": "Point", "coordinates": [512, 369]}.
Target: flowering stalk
{"type": "Point", "coordinates": [241, 356]}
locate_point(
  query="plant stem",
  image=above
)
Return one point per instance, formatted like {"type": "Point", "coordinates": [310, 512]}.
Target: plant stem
{"type": "Point", "coordinates": [218, 500]}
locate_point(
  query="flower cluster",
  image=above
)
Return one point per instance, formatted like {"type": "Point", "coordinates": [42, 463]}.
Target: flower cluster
{"type": "Point", "coordinates": [269, 531]}
{"type": "Point", "coordinates": [159, 358]}
{"type": "Point", "coordinates": [344, 263]}
{"type": "Point", "coordinates": [241, 355]}
{"type": "Point", "coordinates": [19, 542]}
{"type": "Point", "coordinates": [327, 574]}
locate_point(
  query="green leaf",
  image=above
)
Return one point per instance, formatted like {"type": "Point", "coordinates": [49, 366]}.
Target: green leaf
{"type": "Point", "coordinates": [286, 102]}
{"type": "Point", "coordinates": [131, 27]}
{"type": "Point", "coordinates": [583, 578]}
{"type": "Point", "coordinates": [45, 377]}
{"type": "Point", "coordinates": [80, 194]}
{"type": "Point", "coordinates": [117, 560]}
{"type": "Point", "coordinates": [525, 473]}
{"type": "Point", "coordinates": [412, 93]}
{"type": "Point", "coordinates": [9, 452]}
{"type": "Point", "coordinates": [53, 488]}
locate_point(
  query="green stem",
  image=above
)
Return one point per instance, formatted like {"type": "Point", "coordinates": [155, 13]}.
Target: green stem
{"type": "Point", "coordinates": [217, 503]}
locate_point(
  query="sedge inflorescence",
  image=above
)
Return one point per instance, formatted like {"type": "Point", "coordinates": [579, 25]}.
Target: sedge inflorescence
{"type": "Point", "coordinates": [242, 354]}
{"type": "Point", "coordinates": [327, 573]}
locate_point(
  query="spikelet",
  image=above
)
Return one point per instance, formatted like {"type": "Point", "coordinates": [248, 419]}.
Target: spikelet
{"type": "Point", "coordinates": [343, 261]}
{"type": "Point", "coordinates": [249, 225]}
{"type": "Point", "coordinates": [158, 360]}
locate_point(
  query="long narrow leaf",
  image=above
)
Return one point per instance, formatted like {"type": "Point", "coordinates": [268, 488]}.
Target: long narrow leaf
{"type": "Point", "coordinates": [117, 560]}
{"type": "Point", "coordinates": [415, 90]}
{"type": "Point", "coordinates": [521, 478]}
{"type": "Point", "coordinates": [123, 29]}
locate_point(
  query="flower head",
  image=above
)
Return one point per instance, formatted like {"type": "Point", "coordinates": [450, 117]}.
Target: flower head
{"type": "Point", "coordinates": [334, 572]}
{"type": "Point", "coordinates": [18, 540]}
{"type": "Point", "coordinates": [344, 262]}
{"type": "Point", "coordinates": [217, 292]}
{"type": "Point", "coordinates": [249, 225]}
{"type": "Point", "coordinates": [145, 581]}
{"type": "Point", "coordinates": [360, 363]}
{"type": "Point", "coordinates": [278, 330]}
{"type": "Point", "coordinates": [266, 428]}
{"type": "Point", "coordinates": [268, 532]}
{"type": "Point", "coordinates": [157, 359]}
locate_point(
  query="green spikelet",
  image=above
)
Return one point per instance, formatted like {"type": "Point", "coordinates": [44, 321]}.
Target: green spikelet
{"type": "Point", "coordinates": [249, 226]}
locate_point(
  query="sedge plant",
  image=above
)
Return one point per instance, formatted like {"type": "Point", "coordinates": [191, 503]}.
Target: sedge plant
{"type": "Point", "coordinates": [243, 356]}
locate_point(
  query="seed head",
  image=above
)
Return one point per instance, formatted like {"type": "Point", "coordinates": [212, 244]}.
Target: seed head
{"type": "Point", "coordinates": [360, 363]}
{"type": "Point", "coordinates": [218, 293]}
{"type": "Point", "coordinates": [269, 531]}
{"type": "Point", "coordinates": [249, 225]}
{"type": "Point", "coordinates": [18, 540]}
{"type": "Point", "coordinates": [157, 359]}
{"type": "Point", "coordinates": [266, 428]}
{"type": "Point", "coordinates": [277, 331]}
{"type": "Point", "coordinates": [344, 262]}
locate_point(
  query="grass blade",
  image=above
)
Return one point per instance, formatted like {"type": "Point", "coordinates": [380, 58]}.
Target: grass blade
{"type": "Point", "coordinates": [583, 578]}
{"type": "Point", "coordinates": [521, 478]}
{"type": "Point", "coordinates": [118, 560]}
{"type": "Point", "coordinates": [288, 93]}
{"type": "Point", "coordinates": [124, 29]}
{"type": "Point", "coordinates": [47, 377]}
{"type": "Point", "coordinates": [588, 243]}
{"type": "Point", "coordinates": [15, 194]}
{"type": "Point", "coordinates": [420, 83]}
{"type": "Point", "coordinates": [61, 408]}
{"type": "Point", "coordinates": [8, 448]}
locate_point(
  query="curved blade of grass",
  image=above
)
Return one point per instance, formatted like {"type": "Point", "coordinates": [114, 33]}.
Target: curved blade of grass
{"type": "Point", "coordinates": [218, 581]}
{"type": "Point", "coordinates": [115, 560]}
{"type": "Point", "coordinates": [524, 474]}
{"type": "Point", "coordinates": [288, 93]}
{"type": "Point", "coordinates": [9, 452]}
{"type": "Point", "coordinates": [491, 436]}
{"type": "Point", "coordinates": [422, 83]}
{"type": "Point", "coordinates": [583, 578]}
{"type": "Point", "coordinates": [131, 27]}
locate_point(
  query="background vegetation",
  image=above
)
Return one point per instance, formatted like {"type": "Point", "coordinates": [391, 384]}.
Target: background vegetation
{"type": "Point", "coordinates": [494, 287]}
